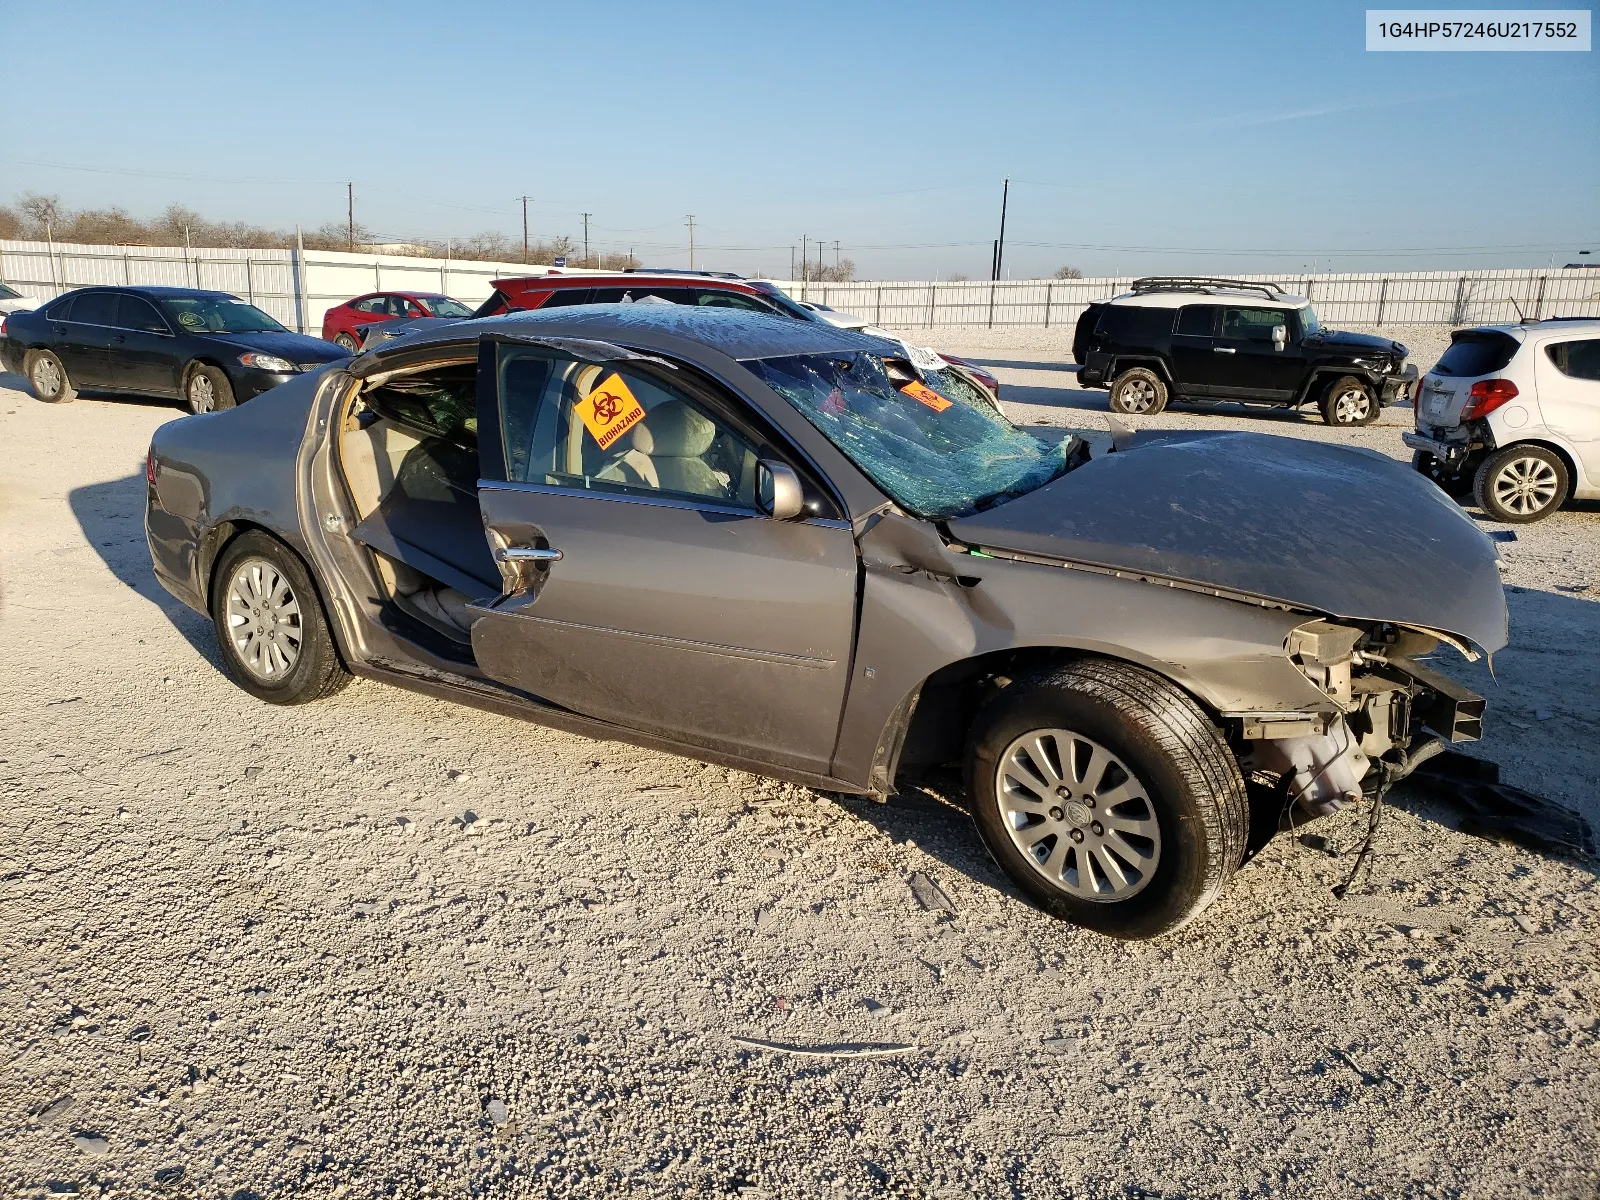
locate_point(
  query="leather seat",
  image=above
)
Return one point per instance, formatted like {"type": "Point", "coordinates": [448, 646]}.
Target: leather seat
{"type": "Point", "coordinates": [667, 451]}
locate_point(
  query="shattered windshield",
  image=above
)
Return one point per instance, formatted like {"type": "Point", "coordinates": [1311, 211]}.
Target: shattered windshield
{"type": "Point", "coordinates": [936, 448]}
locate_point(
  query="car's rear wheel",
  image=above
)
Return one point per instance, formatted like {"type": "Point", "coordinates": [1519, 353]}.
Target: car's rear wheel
{"type": "Point", "coordinates": [47, 375]}
{"type": "Point", "coordinates": [1522, 483]}
{"type": "Point", "coordinates": [1138, 392]}
{"type": "Point", "coordinates": [1350, 401]}
{"type": "Point", "coordinates": [207, 389]}
{"type": "Point", "coordinates": [269, 619]}
{"type": "Point", "coordinates": [347, 341]}
{"type": "Point", "coordinates": [1108, 796]}
{"type": "Point", "coordinates": [1453, 483]}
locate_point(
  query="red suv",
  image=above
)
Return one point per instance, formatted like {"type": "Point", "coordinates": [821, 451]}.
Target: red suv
{"type": "Point", "coordinates": [340, 323]}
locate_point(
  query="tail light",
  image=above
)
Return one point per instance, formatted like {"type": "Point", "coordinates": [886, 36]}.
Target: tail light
{"type": "Point", "coordinates": [149, 467]}
{"type": "Point", "coordinates": [4, 332]}
{"type": "Point", "coordinates": [1486, 396]}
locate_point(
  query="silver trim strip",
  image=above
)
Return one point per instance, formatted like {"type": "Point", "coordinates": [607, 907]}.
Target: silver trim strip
{"type": "Point", "coordinates": [541, 489]}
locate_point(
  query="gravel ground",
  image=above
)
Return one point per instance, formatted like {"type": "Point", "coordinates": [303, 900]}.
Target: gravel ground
{"type": "Point", "coordinates": [388, 945]}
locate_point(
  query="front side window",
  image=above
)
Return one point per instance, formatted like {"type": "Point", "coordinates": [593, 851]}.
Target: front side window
{"type": "Point", "coordinates": [1578, 360]}
{"type": "Point", "coordinates": [936, 451]}
{"type": "Point", "coordinates": [9, 293]}
{"type": "Point", "coordinates": [443, 306]}
{"type": "Point", "coordinates": [709, 298]}
{"type": "Point", "coordinates": [141, 315]}
{"type": "Point", "coordinates": [220, 314]}
{"type": "Point", "coordinates": [618, 428]}
{"type": "Point", "coordinates": [1251, 324]}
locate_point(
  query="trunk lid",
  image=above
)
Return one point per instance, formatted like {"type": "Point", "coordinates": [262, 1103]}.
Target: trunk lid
{"type": "Point", "coordinates": [1474, 354]}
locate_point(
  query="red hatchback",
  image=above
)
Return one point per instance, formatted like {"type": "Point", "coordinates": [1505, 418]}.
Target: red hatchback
{"type": "Point", "coordinates": [340, 322]}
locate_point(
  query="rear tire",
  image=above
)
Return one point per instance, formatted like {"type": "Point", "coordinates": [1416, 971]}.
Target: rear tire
{"type": "Point", "coordinates": [207, 389]}
{"type": "Point", "coordinates": [269, 620]}
{"type": "Point", "coordinates": [1349, 402]}
{"type": "Point", "coordinates": [1141, 815]}
{"type": "Point", "coordinates": [1453, 483]}
{"type": "Point", "coordinates": [348, 342]}
{"type": "Point", "coordinates": [1521, 484]}
{"type": "Point", "coordinates": [47, 375]}
{"type": "Point", "coordinates": [1138, 392]}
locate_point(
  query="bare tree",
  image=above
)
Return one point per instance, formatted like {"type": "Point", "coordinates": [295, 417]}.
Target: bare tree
{"type": "Point", "coordinates": [1068, 273]}
{"type": "Point", "coordinates": [842, 271]}
{"type": "Point", "coordinates": [958, 277]}
{"type": "Point", "coordinates": [38, 211]}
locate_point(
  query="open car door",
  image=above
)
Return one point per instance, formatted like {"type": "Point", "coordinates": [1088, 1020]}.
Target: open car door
{"type": "Point", "coordinates": [644, 582]}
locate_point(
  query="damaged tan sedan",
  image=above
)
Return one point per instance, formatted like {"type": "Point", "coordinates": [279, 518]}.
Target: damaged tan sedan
{"type": "Point", "coordinates": [786, 548]}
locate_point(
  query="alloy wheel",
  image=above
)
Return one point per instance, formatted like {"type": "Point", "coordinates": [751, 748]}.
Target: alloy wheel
{"type": "Point", "coordinates": [202, 394]}
{"type": "Point", "coordinates": [1525, 485]}
{"type": "Point", "coordinates": [1352, 406]}
{"type": "Point", "coordinates": [264, 621]}
{"type": "Point", "coordinates": [1138, 396]}
{"type": "Point", "coordinates": [1078, 816]}
{"type": "Point", "coordinates": [46, 377]}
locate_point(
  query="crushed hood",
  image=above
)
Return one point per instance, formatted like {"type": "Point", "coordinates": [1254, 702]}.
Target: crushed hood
{"type": "Point", "coordinates": [1334, 529]}
{"type": "Point", "coordinates": [1357, 342]}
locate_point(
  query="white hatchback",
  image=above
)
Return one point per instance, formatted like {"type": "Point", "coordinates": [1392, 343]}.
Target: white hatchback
{"type": "Point", "coordinates": [1513, 412]}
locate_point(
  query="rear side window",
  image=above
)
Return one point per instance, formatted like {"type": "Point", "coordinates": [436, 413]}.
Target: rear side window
{"type": "Point", "coordinates": [1579, 360]}
{"type": "Point", "coordinates": [61, 311]}
{"type": "Point", "coordinates": [1475, 352]}
{"type": "Point", "coordinates": [96, 308]}
{"type": "Point", "coordinates": [372, 304]}
{"type": "Point", "coordinates": [564, 296]}
{"type": "Point", "coordinates": [1198, 320]}
{"type": "Point", "coordinates": [1129, 326]}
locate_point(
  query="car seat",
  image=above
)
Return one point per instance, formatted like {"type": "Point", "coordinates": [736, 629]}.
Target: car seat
{"type": "Point", "coordinates": [667, 451]}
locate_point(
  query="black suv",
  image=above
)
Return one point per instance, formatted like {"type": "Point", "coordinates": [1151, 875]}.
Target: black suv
{"type": "Point", "coordinates": [1211, 340]}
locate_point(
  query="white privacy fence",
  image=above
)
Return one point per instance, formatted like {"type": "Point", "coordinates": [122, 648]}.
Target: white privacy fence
{"type": "Point", "coordinates": [1397, 298]}
{"type": "Point", "coordinates": [297, 288]}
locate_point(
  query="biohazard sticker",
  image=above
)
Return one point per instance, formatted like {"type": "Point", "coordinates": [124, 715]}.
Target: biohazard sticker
{"type": "Point", "coordinates": [610, 410]}
{"type": "Point", "coordinates": [923, 394]}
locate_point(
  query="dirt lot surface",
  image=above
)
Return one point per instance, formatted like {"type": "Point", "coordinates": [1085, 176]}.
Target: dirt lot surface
{"type": "Point", "coordinates": [384, 945]}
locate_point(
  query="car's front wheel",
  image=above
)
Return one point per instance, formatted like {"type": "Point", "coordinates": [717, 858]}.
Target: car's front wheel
{"type": "Point", "coordinates": [48, 377]}
{"type": "Point", "coordinates": [1522, 483]}
{"type": "Point", "coordinates": [1350, 401]}
{"type": "Point", "coordinates": [207, 390]}
{"type": "Point", "coordinates": [269, 619]}
{"type": "Point", "coordinates": [1138, 392]}
{"type": "Point", "coordinates": [1108, 796]}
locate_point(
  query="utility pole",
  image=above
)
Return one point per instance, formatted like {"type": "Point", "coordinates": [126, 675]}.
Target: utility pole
{"type": "Point", "coordinates": [524, 230]}
{"type": "Point", "coordinates": [836, 252]}
{"type": "Point", "coordinates": [791, 262]}
{"type": "Point", "coordinates": [1000, 244]}
{"type": "Point", "coordinates": [804, 265]}
{"type": "Point", "coordinates": [690, 223]}
{"type": "Point", "coordinates": [350, 213]}
{"type": "Point", "coordinates": [586, 217]}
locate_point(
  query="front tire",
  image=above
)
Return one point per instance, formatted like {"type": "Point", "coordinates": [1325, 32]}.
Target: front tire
{"type": "Point", "coordinates": [47, 375]}
{"type": "Point", "coordinates": [1108, 796]}
{"type": "Point", "coordinates": [1138, 392]}
{"type": "Point", "coordinates": [269, 620]}
{"type": "Point", "coordinates": [207, 390]}
{"type": "Point", "coordinates": [1521, 483]}
{"type": "Point", "coordinates": [1349, 402]}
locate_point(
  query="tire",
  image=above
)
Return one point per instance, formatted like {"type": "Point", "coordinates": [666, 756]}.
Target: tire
{"type": "Point", "coordinates": [1349, 402]}
{"type": "Point", "coordinates": [55, 387]}
{"type": "Point", "coordinates": [1182, 780]}
{"type": "Point", "coordinates": [1453, 483]}
{"type": "Point", "coordinates": [1138, 392]}
{"type": "Point", "coordinates": [1521, 483]}
{"type": "Point", "coordinates": [263, 656]}
{"type": "Point", "coordinates": [207, 389]}
{"type": "Point", "coordinates": [348, 342]}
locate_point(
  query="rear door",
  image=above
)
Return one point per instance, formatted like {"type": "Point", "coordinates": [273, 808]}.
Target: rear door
{"type": "Point", "coordinates": [85, 339]}
{"type": "Point", "coordinates": [662, 598]}
{"type": "Point", "coordinates": [1199, 361]}
{"type": "Point", "coordinates": [1567, 375]}
{"type": "Point", "coordinates": [144, 353]}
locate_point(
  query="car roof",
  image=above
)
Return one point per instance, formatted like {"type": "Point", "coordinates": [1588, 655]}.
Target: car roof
{"type": "Point", "coordinates": [734, 332]}
{"type": "Point", "coordinates": [620, 279]}
{"type": "Point", "coordinates": [1177, 299]}
{"type": "Point", "coordinates": [1524, 330]}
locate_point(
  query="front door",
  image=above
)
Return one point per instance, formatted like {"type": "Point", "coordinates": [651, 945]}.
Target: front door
{"type": "Point", "coordinates": [144, 354]}
{"type": "Point", "coordinates": [676, 606]}
{"type": "Point", "coordinates": [1261, 366]}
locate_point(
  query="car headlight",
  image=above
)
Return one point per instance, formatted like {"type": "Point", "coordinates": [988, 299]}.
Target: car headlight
{"type": "Point", "coordinates": [268, 362]}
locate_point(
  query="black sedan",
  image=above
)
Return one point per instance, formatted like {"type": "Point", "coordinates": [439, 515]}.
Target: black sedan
{"type": "Point", "coordinates": [209, 349]}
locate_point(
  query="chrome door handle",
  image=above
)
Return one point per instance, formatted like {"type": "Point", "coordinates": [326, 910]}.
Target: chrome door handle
{"type": "Point", "coordinates": [1223, 350]}
{"type": "Point", "coordinates": [516, 554]}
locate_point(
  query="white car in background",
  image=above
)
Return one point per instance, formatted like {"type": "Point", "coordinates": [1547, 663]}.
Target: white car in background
{"type": "Point", "coordinates": [1513, 412]}
{"type": "Point", "coordinates": [12, 301]}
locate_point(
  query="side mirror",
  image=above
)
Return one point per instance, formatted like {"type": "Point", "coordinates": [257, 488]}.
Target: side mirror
{"type": "Point", "coordinates": [781, 496]}
{"type": "Point", "coordinates": [1280, 336]}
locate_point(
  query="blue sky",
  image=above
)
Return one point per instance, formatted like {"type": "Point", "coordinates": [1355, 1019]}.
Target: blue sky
{"type": "Point", "coordinates": [1139, 136]}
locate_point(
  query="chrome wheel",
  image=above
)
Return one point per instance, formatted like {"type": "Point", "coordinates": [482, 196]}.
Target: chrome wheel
{"type": "Point", "coordinates": [1352, 406]}
{"type": "Point", "coordinates": [47, 378]}
{"type": "Point", "coordinates": [1526, 485]}
{"type": "Point", "coordinates": [1078, 815]}
{"type": "Point", "coordinates": [202, 393]}
{"type": "Point", "coordinates": [1138, 396]}
{"type": "Point", "coordinates": [264, 622]}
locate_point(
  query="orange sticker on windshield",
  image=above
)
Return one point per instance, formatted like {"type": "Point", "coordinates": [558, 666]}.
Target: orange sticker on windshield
{"type": "Point", "coordinates": [610, 410]}
{"type": "Point", "coordinates": [923, 394]}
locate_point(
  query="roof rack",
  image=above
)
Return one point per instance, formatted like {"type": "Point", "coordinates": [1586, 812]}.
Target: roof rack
{"type": "Point", "coordinates": [1206, 284]}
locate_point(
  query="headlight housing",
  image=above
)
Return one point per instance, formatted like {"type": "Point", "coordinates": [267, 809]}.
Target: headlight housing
{"type": "Point", "coordinates": [268, 362]}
